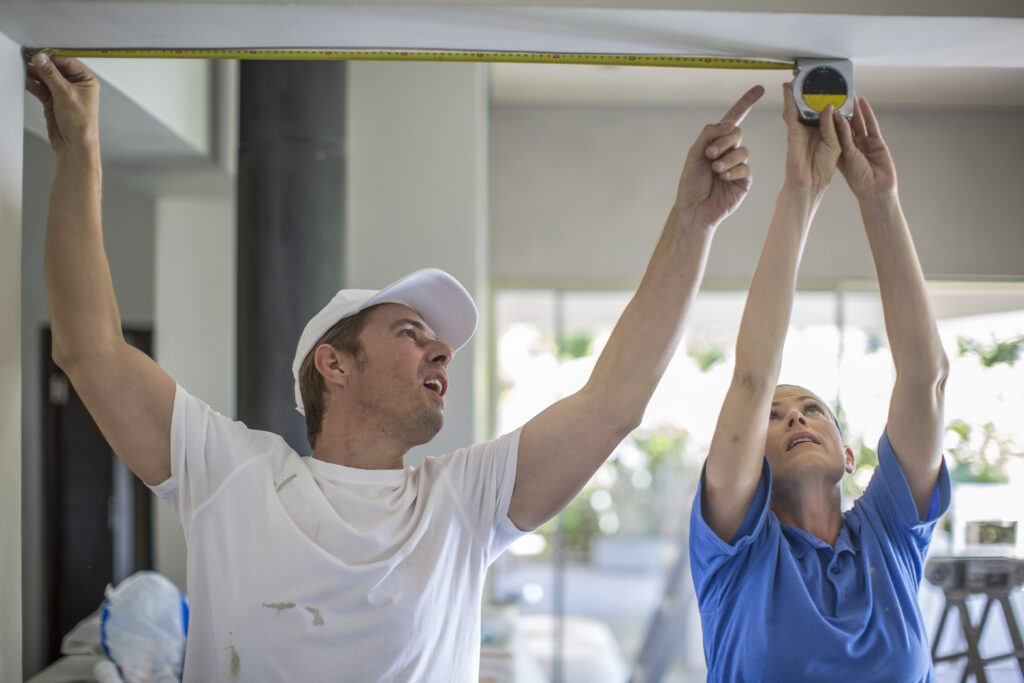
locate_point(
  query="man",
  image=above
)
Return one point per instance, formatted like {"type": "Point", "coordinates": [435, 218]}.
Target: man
{"type": "Point", "coordinates": [791, 588]}
{"type": "Point", "coordinates": [345, 566]}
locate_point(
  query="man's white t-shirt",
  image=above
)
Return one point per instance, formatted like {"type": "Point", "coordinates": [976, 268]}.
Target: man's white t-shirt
{"type": "Point", "coordinates": [302, 570]}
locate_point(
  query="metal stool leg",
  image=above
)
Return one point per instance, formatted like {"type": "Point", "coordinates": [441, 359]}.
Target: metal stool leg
{"type": "Point", "coordinates": [962, 577]}
{"type": "Point", "coordinates": [975, 665]}
{"type": "Point", "coordinates": [1011, 625]}
{"type": "Point", "coordinates": [938, 632]}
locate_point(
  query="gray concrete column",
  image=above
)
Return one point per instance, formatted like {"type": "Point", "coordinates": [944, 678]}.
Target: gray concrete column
{"type": "Point", "coordinates": [291, 179]}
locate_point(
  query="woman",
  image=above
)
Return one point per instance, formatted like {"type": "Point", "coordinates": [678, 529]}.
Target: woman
{"type": "Point", "coordinates": [789, 587]}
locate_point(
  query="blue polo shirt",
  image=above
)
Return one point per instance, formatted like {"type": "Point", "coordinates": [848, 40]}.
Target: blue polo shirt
{"type": "Point", "coordinates": [778, 604]}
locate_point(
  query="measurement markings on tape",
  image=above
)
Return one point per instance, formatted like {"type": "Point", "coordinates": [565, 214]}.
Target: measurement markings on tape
{"type": "Point", "coordinates": [597, 59]}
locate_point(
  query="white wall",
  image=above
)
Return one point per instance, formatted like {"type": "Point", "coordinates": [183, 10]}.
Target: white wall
{"type": "Point", "coordinates": [176, 93]}
{"type": "Point", "coordinates": [175, 97]}
{"type": "Point", "coordinates": [416, 195]}
{"type": "Point", "coordinates": [128, 238]}
{"type": "Point", "coordinates": [581, 194]}
{"type": "Point", "coordinates": [11, 80]}
{"type": "Point", "coordinates": [195, 325]}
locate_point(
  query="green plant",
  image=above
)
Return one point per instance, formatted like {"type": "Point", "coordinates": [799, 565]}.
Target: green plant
{"type": "Point", "coordinates": [574, 345]}
{"type": "Point", "coordinates": [646, 486]}
{"type": "Point", "coordinates": [979, 454]}
{"type": "Point", "coordinates": [1007, 351]}
{"type": "Point", "coordinates": [579, 526]}
{"type": "Point", "coordinates": [659, 445]}
{"type": "Point", "coordinates": [707, 355]}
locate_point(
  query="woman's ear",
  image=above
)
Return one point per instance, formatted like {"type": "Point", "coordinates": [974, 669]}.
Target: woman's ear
{"type": "Point", "coordinates": [851, 461]}
{"type": "Point", "coordinates": [332, 364]}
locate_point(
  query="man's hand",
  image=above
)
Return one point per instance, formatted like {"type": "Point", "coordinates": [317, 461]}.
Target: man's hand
{"type": "Point", "coordinates": [716, 176]}
{"type": "Point", "coordinates": [866, 162]}
{"type": "Point", "coordinates": [70, 96]}
{"type": "Point", "coordinates": [812, 150]}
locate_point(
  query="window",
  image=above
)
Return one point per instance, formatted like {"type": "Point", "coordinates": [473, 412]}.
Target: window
{"type": "Point", "coordinates": [603, 562]}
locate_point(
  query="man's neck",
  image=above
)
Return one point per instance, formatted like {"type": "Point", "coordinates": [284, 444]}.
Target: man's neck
{"type": "Point", "coordinates": [363, 448]}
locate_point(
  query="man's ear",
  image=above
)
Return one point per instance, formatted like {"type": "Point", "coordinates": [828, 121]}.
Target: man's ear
{"type": "Point", "coordinates": [333, 365]}
{"type": "Point", "coordinates": [851, 461]}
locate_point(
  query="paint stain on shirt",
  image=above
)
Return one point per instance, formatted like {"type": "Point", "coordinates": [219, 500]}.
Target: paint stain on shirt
{"type": "Point", "coordinates": [317, 619]}
{"type": "Point", "coordinates": [236, 664]}
{"type": "Point", "coordinates": [286, 482]}
{"type": "Point", "coordinates": [279, 606]}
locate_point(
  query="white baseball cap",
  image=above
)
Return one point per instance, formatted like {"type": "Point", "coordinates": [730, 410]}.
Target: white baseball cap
{"type": "Point", "coordinates": [439, 298]}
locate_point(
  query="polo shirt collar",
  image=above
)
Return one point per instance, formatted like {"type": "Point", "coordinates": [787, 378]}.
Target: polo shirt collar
{"type": "Point", "coordinates": [802, 542]}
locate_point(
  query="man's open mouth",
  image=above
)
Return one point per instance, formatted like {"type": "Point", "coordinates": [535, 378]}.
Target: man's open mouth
{"type": "Point", "coordinates": [436, 383]}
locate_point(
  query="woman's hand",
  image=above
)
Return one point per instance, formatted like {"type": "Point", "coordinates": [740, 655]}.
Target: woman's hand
{"type": "Point", "coordinates": [812, 150]}
{"type": "Point", "coordinates": [866, 162]}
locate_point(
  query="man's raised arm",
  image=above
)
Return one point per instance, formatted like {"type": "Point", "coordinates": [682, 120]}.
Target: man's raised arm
{"type": "Point", "coordinates": [128, 395]}
{"type": "Point", "coordinates": [563, 446]}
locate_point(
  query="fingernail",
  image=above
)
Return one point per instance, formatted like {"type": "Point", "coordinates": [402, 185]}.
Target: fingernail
{"type": "Point", "coordinates": [39, 59]}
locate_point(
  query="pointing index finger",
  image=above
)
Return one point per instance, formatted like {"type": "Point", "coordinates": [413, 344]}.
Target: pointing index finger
{"type": "Point", "coordinates": [743, 105]}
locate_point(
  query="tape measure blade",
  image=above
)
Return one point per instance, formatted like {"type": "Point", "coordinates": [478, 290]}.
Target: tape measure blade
{"type": "Point", "coordinates": [598, 59]}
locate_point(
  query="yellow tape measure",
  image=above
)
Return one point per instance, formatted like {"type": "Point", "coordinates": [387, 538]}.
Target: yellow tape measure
{"type": "Point", "coordinates": [599, 59]}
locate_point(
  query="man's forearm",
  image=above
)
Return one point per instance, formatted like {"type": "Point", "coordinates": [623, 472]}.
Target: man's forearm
{"type": "Point", "coordinates": [648, 332]}
{"type": "Point", "coordinates": [562, 446]}
{"type": "Point", "coordinates": [83, 310]}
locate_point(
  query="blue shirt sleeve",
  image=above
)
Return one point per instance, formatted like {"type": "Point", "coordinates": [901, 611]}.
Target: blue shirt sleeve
{"type": "Point", "coordinates": [889, 506]}
{"type": "Point", "coordinates": [716, 564]}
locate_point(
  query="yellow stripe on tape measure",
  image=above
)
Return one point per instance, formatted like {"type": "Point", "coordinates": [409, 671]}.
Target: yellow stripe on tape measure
{"type": "Point", "coordinates": [599, 59]}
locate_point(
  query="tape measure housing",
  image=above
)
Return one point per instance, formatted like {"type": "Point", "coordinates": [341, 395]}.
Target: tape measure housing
{"type": "Point", "coordinates": [818, 83]}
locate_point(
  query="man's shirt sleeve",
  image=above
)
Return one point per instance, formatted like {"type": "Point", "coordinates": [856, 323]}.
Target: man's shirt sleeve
{"type": "Point", "coordinates": [481, 478]}
{"type": "Point", "coordinates": [207, 448]}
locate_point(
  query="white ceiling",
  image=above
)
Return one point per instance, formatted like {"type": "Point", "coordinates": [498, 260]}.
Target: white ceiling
{"type": "Point", "coordinates": [905, 52]}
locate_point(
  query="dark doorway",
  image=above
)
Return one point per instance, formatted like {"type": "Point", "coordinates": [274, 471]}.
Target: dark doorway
{"type": "Point", "coordinates": [98, 517]}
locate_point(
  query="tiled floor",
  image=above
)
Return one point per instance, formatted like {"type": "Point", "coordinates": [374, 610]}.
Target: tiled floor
{"type": "Point", "coordinates": [997, 672]}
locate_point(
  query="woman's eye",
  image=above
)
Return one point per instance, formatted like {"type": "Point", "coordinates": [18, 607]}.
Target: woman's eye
{"type": "Point", "coordinates": [409, 332]}
{"type": "Point", "coordinates": [773, 416]}
{"type": "Point", "coordinates": [813, 407]}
